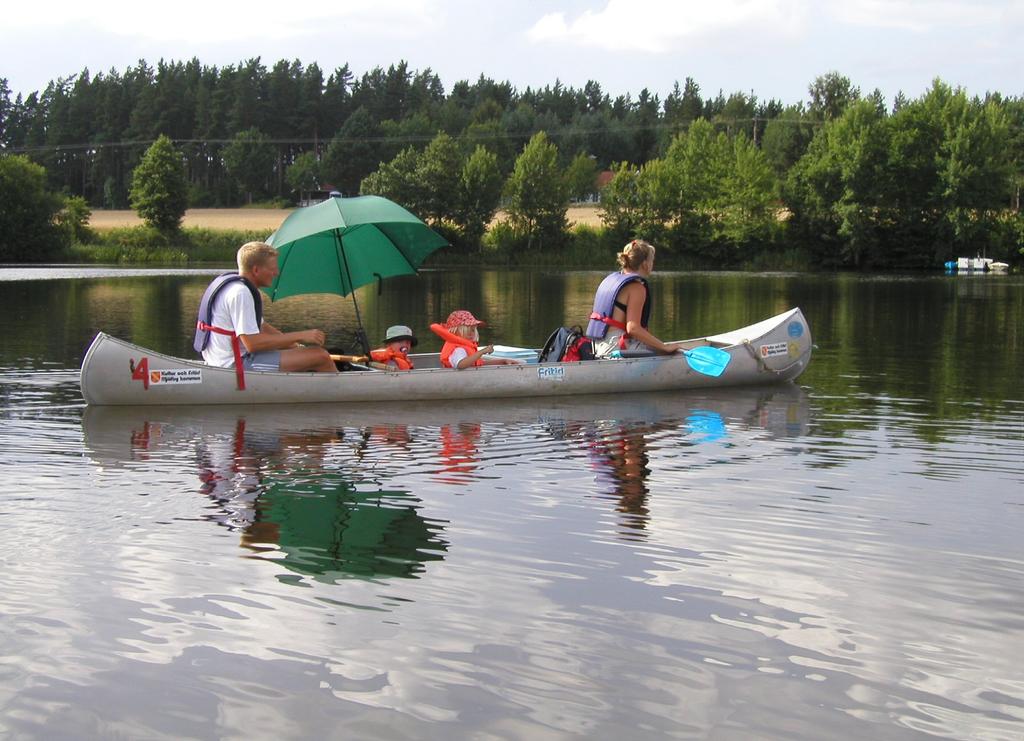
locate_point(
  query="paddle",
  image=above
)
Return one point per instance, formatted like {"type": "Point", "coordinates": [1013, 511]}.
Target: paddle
{"type": "Point", "coordinates": [360, 359]}
{"type": "Point", "coordinates": [708, 360]}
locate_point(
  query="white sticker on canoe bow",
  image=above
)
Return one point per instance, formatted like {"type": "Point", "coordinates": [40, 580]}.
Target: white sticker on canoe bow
{"type": "Point", "coordinates": [551, 373]}
{"type": "Point", "coordinates": [774, 349]}
{"type": "Point", "coordinates": [176, 375]}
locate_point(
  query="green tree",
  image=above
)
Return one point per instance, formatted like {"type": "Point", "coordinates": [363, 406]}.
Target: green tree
{"type": "Point", "coordinates": [142, 105]}
{"type": "Point", "coordinates": [480, 187]}
{"type": "Point", "coordinates": [786, 138]}
{"type": "Point", "coordinates": [6, 112]}
{"type": "Point", "coordinates": [749, 197]}
{"type": "Point", "coordinates": [738, 114]}
{"type": "Point", "coordinates": [537, 195]}
{"type": "Point", "coordinates": [912, 189]}
{"type": "Point", "coordinates": [699, 161]}
{"type": "Point", "coordinates": [620, 201]}
{"type": "Point", "coordinates": [490, 134]}
{"type": "Point", "coordinates": [974, 173]}
{"type": "Point", "coordinates": [581, 177]}
{"type": "Point", "coordinates": [710, 194]}
{"type": "Point", "coordinates": [831, 94]}
{"type": "Point", "coordinates": [847, 179]}
{"type": "Point", "coordinates": [248, 94]}
{"type": "Point", "coordinates": [399, 181]}
{"type": "Point", "coordinates": [596, 134]}
{"type": "Point", "coordinates": [683, 107]}
{"type": "Point", "coordinates": [159, 190]}
{"type": "Point", "coordinates": [642, 120]}
{"type": "Point", "coordinates": [73, 219]}
{"type": "Point", "coordinates": [1015, 112]}
{"type": "Point", "coordinates": [660, 201]}
{"type": "Point", "coordinates": [354, 152]}
{"type": "Point", "coordinates": [439, 171]}
{"type": "Point", "coordinates": [303, 175]}
{"type": "Point", "coordinates": [27, 219]}
{"type": "Point", "coordinates": [426, 183]}
{"type": "Point", "coordinates": [249, 159]}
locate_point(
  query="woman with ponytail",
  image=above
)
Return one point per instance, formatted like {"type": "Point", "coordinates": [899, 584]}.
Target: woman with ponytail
{"type": "Point", "coordinates": [622, 307]}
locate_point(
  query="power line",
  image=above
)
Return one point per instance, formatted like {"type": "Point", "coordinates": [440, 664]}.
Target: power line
{"type": "Point", "coordinates": [407, 139]}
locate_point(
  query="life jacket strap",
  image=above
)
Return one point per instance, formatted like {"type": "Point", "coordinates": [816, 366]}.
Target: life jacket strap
{"type": "Point", "coordinates": [236, 348]}
{"type": "Point", "coordinates": [613, 323]}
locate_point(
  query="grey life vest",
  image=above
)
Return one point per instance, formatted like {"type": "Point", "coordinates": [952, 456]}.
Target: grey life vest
{"type": "Point", "coordinates": [604, 304]}
{"type": "Point", "coordinates": [204, 324]}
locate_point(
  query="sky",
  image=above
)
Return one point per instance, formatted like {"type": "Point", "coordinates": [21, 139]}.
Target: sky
{"type": "Point", "coordinates": [771, 48]}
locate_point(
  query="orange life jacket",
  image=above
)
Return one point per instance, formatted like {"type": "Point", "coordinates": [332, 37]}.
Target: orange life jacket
{"type": "Point", "coordinates": [386, 355]}
{"type": "Point", "coordinates": [451, 342]}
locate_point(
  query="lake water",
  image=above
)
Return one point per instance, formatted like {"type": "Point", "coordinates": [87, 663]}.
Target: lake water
{"type": "Point", "coordinates": [841, 558]}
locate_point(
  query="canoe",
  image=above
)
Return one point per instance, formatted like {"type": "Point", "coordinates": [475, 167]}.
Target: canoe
{"type": "Point", "coordinates": [116, 372]}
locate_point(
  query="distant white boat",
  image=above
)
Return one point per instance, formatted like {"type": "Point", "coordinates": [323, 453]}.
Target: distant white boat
{"type": "Point", "coordinates": [975, 265]}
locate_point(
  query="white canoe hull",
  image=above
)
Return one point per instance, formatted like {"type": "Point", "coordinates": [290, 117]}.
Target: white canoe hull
{"type": "Point", "coordinates": [771, 351]}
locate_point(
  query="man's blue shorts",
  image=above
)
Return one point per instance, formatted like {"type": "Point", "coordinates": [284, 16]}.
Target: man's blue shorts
{"type": "Point", "coordinates": [269, 360]}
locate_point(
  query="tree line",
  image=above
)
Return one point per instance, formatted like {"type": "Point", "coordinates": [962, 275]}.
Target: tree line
{"type": "Point", "coordinates": [90, 131]}
{"type": "Point", "coordinates": [844, 178]}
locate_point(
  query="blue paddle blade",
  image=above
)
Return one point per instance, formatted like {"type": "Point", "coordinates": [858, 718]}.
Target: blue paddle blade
{"type": "Point", "coordinates": [708, 360]}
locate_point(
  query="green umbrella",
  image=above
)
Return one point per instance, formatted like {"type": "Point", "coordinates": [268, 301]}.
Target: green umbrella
{"type": "Point", "coordinates": [344, 243]}
{"type": "Point", "coordinates": [328, 530]}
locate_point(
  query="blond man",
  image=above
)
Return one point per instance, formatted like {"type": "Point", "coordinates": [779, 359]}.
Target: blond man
{"type": "Point", "coordinates": [231, 322]}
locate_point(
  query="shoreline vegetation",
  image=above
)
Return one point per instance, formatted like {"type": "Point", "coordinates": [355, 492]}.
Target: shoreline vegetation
{"type": "Point", "coordinates": [213, 235]}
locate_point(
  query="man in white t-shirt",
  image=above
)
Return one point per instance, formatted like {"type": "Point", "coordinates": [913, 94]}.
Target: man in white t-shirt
{"type": "Point", "coordinates": [264, 347]}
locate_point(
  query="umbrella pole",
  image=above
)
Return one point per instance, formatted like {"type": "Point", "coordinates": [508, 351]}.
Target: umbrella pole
{"type": "Point", "coordinates": [360, 333]}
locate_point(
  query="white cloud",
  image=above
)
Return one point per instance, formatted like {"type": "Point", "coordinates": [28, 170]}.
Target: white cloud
{"type": "Point", "coordinates": [202, 21]}
{"type": "Point", "coordinates": [772, 46]}
{"type": "Point", "coordinates": [657, 25]}
{"type": "Point", "coordinates": [920, 16]}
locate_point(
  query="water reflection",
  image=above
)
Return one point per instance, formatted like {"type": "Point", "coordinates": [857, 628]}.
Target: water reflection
{"type": "Point", "coordinates": [619, 456]}
{"type": "Point", "coordinates": [458, 452]}
{"type": "Point", "coordinates": [273, 472]}
{"type": "Point", "coordinates": [277, 487]}
{"type": "Point", "coordinates": [329, 530]}
{"type": "Point", "coordinates": [627, 440]}
{"type": "Point", "coordinates": [687, 545]}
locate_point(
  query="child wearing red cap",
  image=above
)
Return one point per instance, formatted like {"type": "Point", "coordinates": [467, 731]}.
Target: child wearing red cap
{"type": "Point", "coordinates": [461, 340]}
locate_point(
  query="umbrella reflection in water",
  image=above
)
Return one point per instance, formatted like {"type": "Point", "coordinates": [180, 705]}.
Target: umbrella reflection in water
{"type": "Point", "coordinates": [313, 521]}
{"type": "Point", "coordinates": [272, 479]}
{"type": "Point", "coordinates": [328, 530]}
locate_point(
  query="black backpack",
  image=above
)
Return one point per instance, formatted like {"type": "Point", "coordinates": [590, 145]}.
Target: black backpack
{"type": "Point", "coordinates": [567, 344]}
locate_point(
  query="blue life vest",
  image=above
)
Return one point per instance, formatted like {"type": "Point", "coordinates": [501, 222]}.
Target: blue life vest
{"type": "Point", "coordinates": [205, 320]}
{"type": "Point", "coordinates": [604, 304]}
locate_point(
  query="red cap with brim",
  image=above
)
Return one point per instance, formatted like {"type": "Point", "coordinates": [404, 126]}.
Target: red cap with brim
{"type": "Point", "coordinates": [460, 318]}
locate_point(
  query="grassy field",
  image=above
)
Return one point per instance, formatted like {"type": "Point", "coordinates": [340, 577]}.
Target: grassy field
{"type": "Point", "coordinates": [267, 218]}
{"type": "Point", "coordinates": [206, 218]}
